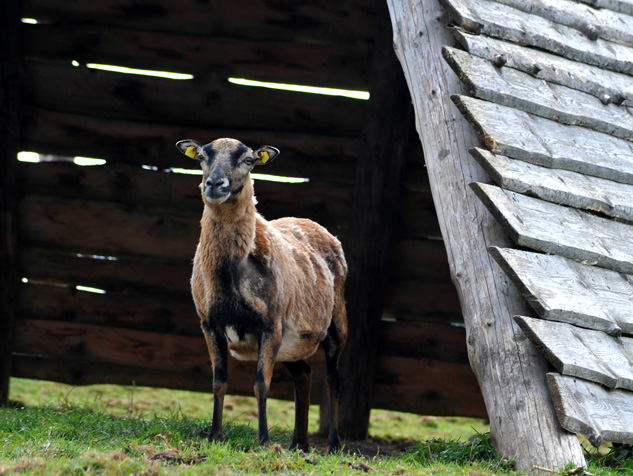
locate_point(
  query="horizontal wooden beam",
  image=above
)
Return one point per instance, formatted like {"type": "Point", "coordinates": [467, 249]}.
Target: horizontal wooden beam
{"type": "Point", "coordinates": [144, 191]}
{"type": "Point", "coordinates": [205, 101]}
{"type": "Point", "coordinates": [319, 157]}
{"type": "Point", "coordinates": [423, 259]}
{"type": "Point", "coordinates": [315, 22]}
{"type": "Point", "coordinates": [83, 354]}
{"type": "Point", "coordinates": [162, 311]}
{"type": "Point", "coordinates": [423, 340]}
{"type": "Point", "coordinates": [113, 228]}
{"type": "Point", "coordinates": [266, 59]}
{"type": "Point", "coordinates": [412, 299]}
{"type": "Point", "coordinates": [158, 288]}
{"type": "Point", "coordinates": [108, 227]}
{"type": "Point", "coordinates": [76, 371]}
{"type": "Point", "coordinates": [146, 294]}
{"type": "Point", "coordinates": [429, 387]}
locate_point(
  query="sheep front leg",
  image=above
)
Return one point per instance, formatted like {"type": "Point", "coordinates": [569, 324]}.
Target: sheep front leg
{"type": "Point", "coordinates": [268, 347]}
{"type": "Point", "coordinates": [219, 355]}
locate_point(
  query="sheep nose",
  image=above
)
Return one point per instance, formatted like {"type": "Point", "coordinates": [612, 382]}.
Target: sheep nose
{"type": "Point", "coordinates": [218, 184]}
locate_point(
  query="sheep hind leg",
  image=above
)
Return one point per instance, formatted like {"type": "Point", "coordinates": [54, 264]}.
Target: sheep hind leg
{"type": "Point", "coordinates": [301, 377]}
{"type": "Point", "coordinates": [333, 346]}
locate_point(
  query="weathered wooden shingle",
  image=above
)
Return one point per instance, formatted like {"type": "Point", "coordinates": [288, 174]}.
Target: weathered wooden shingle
{"type": "Point", "coordinates": [540, 141]}
{"type": "Point", "coordinates": [501, 21]}
{"type": "Point", "coordinates": [584, 353]}
{"type": "Point", "coordinates": [608, 86]}
{"type": "Point", "coordinates": [560, 289]}
{"type": "Point", "coordinates": [559, 186]}
{"type": "Point", "coordinates": [519, 90]}
{"type": "Point", "coordinates": [622, 6]}
{"type": "Point", "coordinates": [555, 229]}
{"type": "Point", "coordinates": [553, 89]}
{"type": "Point", "coordinates": [594, 23]}
{"type": "Point", "coordinates": [592, 410]}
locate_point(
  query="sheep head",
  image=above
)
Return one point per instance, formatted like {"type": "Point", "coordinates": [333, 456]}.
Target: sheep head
{"type": "Point", "coordinates": [227, 164]}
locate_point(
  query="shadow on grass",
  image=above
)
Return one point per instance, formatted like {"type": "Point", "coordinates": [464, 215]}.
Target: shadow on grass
{"type": "Point", "coordinates": [477, 449]}
{"type": "Point", "coordinates": [87, 424]}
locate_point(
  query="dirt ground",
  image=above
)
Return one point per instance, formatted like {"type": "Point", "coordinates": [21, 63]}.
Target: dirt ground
{"type": "Point", "coordinates": [373, 446]}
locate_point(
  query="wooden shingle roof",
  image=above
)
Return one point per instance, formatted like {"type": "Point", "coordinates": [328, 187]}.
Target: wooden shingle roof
{"type": "Point", "coordinates": [551, 91]}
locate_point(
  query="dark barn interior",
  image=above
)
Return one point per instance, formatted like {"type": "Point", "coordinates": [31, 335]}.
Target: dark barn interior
{"type": "Point", "coordinates": [128, 228]}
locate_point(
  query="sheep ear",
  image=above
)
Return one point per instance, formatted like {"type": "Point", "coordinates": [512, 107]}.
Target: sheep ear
{"type": "Point", "coordinates": [189, 147]}
{"type": "Point", "coordinates": [265, 154]}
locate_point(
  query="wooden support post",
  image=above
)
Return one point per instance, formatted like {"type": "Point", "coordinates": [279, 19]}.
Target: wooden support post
{"type": "Point", "coordinates": [376, 205]}
{"type": "Point", "coordinates": [510, 370]}
{"type": "Point", "coordinates": [9, 145]}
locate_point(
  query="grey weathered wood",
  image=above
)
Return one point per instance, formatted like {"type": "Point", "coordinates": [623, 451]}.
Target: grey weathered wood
{"type": "Point", "coordinates": [592, 410]}
{"type": "Point", "coordinates": [608, 86]}
{"type": "Point", "coordinates": [583, 353]}
{"type": "Point", "coordinates": [559, 186]}
{"type": "Point", "coordinates": [540, 141]}
{"type": "Point", "coordinates": [622, 6]}
{"type": "Point", "coordinates": [513, 88]}
{"type": "Point", "coordinates": [552, 228]}
{"type": "Point", "coordinates": [510, 370]}
{"type": "Point", "coordinates": [502, 21]}
{"type": "Point", "coordinates": [560, 289]}
{"type": "Point", "coordinates": [603, 23]}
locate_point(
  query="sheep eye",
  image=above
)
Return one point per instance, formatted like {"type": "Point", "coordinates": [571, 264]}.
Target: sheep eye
{"type": "Point", "coordinates": [248, 161]}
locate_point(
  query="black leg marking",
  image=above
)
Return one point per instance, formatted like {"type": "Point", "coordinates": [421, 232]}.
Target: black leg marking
{"type": "Point", "coordinates": [219, 354]}
{"type": "Point", "coordinates": [268, 347]}
{"type": "Point", "coordinates": [332, 346]}
{"type": "Point", "coordinates": [301, 376]}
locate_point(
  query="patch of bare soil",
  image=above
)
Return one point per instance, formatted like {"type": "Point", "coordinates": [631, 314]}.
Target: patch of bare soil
{"type": "Point", "coordinates": [373, 446]}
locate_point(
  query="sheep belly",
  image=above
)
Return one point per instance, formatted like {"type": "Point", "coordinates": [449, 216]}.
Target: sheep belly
{"type": "Point", "coordinates": [298, 345]}
{"type": "Point", "coordinates": [295, 345]}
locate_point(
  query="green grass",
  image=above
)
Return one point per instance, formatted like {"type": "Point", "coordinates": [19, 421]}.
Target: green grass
{"type": "Point", "coordinates": [112, 430]}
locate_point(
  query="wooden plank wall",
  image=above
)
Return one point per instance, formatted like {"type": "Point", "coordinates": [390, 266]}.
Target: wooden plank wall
{"type": "Point", "coordinates": [10, 105]}
{"type": "Point", "coordinates": [131, 231]}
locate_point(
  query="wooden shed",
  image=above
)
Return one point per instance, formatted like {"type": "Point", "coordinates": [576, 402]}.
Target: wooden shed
{"type": "Point", "coordinates": [96, 259]}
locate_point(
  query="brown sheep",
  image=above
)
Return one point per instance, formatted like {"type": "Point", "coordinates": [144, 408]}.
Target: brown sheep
{"type": "Point", "coordinates": [264, 290]}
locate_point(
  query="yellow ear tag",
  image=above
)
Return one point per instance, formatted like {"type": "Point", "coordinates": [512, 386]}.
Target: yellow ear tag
{"type": "Point", "coordinates": [264, 156]}
{"type": "Point", "coordinates": [191, 152]}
